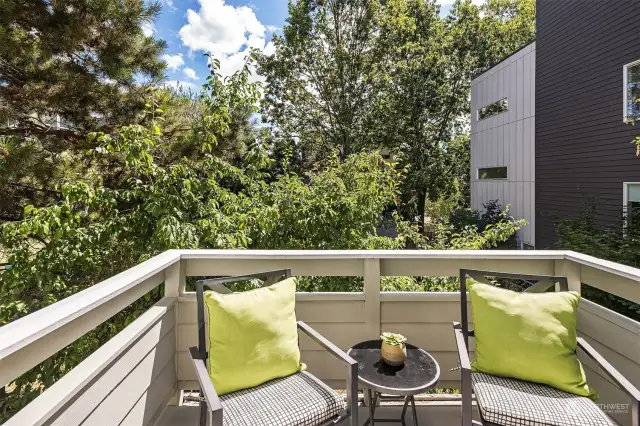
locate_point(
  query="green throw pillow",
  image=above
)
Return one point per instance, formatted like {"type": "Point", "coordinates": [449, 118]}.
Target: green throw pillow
{"type": "Point", "coordinates": [253, 336]}
{"type": "Point", "coordinates": [528, 336]}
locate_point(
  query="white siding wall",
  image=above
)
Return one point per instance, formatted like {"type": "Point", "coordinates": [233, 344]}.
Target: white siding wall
{"type": "Point", "coordinates": [506, 139]}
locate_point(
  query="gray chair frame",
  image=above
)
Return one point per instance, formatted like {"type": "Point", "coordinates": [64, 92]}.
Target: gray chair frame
{"type": "Point", "coordinates": [211, 412]}
{"type": "Point", "coordinates": [462, 334]}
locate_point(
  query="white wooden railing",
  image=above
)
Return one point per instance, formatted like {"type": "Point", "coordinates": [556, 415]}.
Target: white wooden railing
{"type": "Point", "coordinates": [132, 377]}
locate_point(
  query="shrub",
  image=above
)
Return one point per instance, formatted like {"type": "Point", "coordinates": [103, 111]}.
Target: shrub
{"type": "Point", "coordinates": [618, 241]}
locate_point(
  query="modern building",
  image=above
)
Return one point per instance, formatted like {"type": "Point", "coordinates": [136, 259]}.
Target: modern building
{"type": "Point", "coordinates": [550, 128]}
{"type": "Point", "coordinates": [502, 137]}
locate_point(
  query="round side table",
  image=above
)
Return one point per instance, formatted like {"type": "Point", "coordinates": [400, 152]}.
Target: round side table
{"type": "Point", "coordinates": [419, 373]}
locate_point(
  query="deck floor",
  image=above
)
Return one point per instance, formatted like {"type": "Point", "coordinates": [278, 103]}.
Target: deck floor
{"type": "Point", "coordinates": [429, 414]}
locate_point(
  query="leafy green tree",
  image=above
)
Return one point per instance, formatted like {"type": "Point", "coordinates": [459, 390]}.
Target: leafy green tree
{"type": "Point", "coordinates": [349, 75]}
{"type": "Point", "coordinates": [66, 68]}
{"type": "Point", "coordinates": [427, 60]}
{"type": "Point", "coordinates": [506, 25]}
{"type": "Point", "coordinates": [317, 89]}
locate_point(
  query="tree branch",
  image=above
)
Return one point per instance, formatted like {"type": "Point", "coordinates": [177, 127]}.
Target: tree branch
{"type": "Point", "coordinates": [33, 188]}
{"type": "Point", "coordinates": [25, 131]}
{"type": "Point", "coordinates": [5, 218]}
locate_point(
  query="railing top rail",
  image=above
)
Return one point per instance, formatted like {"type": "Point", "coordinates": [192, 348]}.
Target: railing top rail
{"type": "Point", "coordinates": [583, 259]}
{"type": "Point", "coordinates": [373, 254]}
{"type": "Point", "coordinates": [18, 334]}
{"type": "Point", "coordinates": [604, 265]}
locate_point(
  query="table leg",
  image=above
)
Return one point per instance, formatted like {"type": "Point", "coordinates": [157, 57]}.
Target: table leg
{"type": "Point", "coordinates": [372, 408]}
{"type": "Point", "coordinates": [404, 410]}
{"type": "Point", "coordinates": [413, 409]}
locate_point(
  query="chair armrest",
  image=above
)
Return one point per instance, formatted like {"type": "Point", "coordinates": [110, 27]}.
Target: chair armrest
{"type": "Point", "coordinates": [614, 374]}
{"type": "Point", "coordinates": [351, 364]}
{"type": "Point", "coordinates": [322, 341]}
{"type": "Point", "coordinates": [465, 376]}
{"type": "Point", "coordinates": [214, 415]}
{"type": "Point", "coordinates": [463, 353]}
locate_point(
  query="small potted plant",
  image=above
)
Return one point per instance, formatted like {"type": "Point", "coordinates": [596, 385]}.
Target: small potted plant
{"type": "Point", "coordinates": [393, 349]}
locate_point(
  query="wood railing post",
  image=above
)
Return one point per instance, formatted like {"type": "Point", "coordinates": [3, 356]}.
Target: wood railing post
{"type": "Point", "coordinates": [571, 270]}
{"type": "Point", "coordinates": [175, 279]}
{"type": "Point", "coordinates": [371, 275]}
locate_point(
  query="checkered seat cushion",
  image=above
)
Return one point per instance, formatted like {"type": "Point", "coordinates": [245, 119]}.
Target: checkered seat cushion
{"type": "Point", "coordinates": [296, 400]}
{"type": "Point", "coordinates": [510, 402]}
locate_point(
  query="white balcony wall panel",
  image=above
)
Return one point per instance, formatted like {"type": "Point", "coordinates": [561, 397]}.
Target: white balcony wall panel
{"type": "Point", "coordinates": [617, 339]}
{"type": "Point", "coordinates": [506, 139]}
{"type": "Point", "coordinates": [132, 374]}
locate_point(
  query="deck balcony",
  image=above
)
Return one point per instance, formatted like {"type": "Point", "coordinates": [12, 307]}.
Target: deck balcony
{"type": "Point", "coordinates": [138, 377]}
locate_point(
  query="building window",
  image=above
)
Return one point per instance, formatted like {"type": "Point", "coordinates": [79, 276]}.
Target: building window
{"type": "Point", "coordinates": [631, 73]}
{"type": "Point", "coordinates": [495, 108]}
{"type": "Point", "coordinates": [492, 173]}
{"type": "Point", "coordinates": [632, 201]}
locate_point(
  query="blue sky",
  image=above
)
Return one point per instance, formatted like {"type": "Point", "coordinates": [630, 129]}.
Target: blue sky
{"type": "Point", "coordinates": [224, 28]}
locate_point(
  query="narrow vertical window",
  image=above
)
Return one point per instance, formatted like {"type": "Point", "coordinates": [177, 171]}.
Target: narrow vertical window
{"type": "Point", "coordinates": [632, 91]}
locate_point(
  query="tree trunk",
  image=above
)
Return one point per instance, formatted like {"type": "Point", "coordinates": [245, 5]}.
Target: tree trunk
{"type": "Point", "coordinates": [422, 204]}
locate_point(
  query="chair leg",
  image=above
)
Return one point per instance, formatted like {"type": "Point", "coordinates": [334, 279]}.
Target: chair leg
{"type": "Point", "coordinates": [467, 406]}
{"type": "Point", "coordinates": [352, 393]}
{"type": "Point", "coordinates": [203, 413]}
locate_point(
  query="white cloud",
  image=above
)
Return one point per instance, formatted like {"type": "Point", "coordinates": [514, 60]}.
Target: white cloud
{"type": "Point", "coordinates": [169, 4]}
{"type": "Point", "coordinates": [190, 73]}
{"type": "Point", "coordinates": [226, 32]}
{"type": "Point", "coordinates": [148, 29]}
{"type": "Point", "coordinates": [222, 28]}
{"type": "Point", "coordinates": [173, 61]}
{"type": "Point", "coordinates": [270, 48]}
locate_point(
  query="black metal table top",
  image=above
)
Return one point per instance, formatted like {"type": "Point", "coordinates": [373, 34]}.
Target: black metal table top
{"type": "Point", "coordinates": [418, 373]}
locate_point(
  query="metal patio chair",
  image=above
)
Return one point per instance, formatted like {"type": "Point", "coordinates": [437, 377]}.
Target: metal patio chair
{"type": "Point", "coordinates": [504, 401]}
{"type": "Point", "coordinates": [273, 398]}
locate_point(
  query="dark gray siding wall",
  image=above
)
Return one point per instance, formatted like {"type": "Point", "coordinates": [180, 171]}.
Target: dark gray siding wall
{"type": "Point", "coordinates": [583, 148]}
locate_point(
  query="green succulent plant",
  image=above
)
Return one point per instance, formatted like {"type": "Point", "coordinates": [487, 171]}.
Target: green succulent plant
{"type": "Point", "coordinates": [393, 339]}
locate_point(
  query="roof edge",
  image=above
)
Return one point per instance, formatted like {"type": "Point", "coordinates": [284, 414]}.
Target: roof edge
{"type": "Point", "coordinates": [481, 71]}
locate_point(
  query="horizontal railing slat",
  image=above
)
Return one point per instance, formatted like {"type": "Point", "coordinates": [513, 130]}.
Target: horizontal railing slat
{"type": "Point", "coordinates": [18, 334]}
